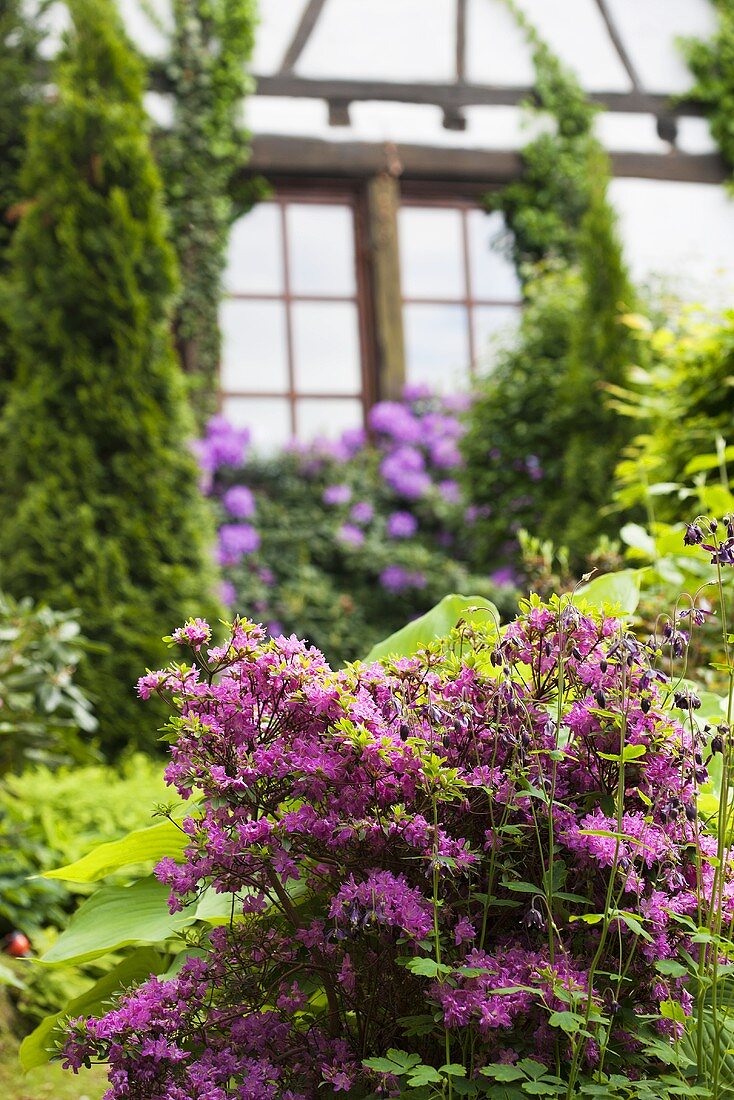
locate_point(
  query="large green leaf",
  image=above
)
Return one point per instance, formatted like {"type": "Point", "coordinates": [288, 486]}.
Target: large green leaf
{"type": "Point", "coordinates": [38, 1047]}
{"type": "Point", "coordinates": [115, 917]}
{"type": "Point", "coordinates": [140, 846]}
{"type": "Point", "coordinates": [436, 623]}
{"type": "Point", "coordinates": [615, 592]}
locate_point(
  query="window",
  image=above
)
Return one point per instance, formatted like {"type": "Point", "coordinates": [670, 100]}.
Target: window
{"type": "Point", "coordinates": [293, 321]}
{"type": "Point", "coordinates": [297, 323]}
{"type": "Point", "coordinates": [459, 292]}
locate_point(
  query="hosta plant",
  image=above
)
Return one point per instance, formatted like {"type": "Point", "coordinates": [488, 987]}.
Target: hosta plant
{"type": "Point", "coordinates": [478, 870]}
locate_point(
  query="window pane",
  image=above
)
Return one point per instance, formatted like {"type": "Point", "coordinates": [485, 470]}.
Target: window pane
{"type": "Point", "coordinates": [493, 274]}
{"type": "Point", "coordinates": [493, 326]}
{"type": "Point", "coordinates": [328, 418]}
{"type": "Point", "coordinates": [268, 418]}
{"type": "Point", "coordinates": [254, 349]}
{"type": "Point", "coordinates": [255, 253]}
{"type": "Point", "coordinates": [326, 347]}
{"type": "Point", "coordinates": [437, 345]}
{"type": "Point", "coordinates": [431, 252]}
{"type": "Point", "coordinates": [321, 243]}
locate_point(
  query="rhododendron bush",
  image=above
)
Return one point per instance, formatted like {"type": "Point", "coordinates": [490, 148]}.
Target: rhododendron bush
{"type": "Point", "coordinates": [477, 870]}
{"type": "Point", "coordinates": [341, 541]}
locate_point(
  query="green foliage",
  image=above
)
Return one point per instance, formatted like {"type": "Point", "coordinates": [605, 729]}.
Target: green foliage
{"type": "Point", "coordinates": [42, 710]}
{"type": "Point", "coordinates": [543, 441]}
{"type": "Point", "coordinates": [202, 156]}
{"type": "Point", "coordinates": [19, 88]}
{"type": "Point", "coordinates": [99, 505]}
{"type": "Point", "coordinates": [53, 817]}
{"type": "Point", "coordinates": [684, 401]}
{"type": "Point", "coordinates": [712, 64]}
{"type": "Point", "coordinates": [436, 623]}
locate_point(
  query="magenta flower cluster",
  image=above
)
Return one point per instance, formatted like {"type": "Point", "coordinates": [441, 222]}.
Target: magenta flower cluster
{"type": "Point", "coordinates": [483, 838]}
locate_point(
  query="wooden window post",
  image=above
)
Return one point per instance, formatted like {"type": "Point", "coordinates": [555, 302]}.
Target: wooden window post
{"type": "Point", "coordinates": [383, 199]}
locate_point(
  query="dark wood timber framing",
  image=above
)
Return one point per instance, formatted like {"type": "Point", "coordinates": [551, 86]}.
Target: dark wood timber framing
{"type": "Point", "coordinates": [460, 94]}
{"type": "Point", "coordinates": [290, 156]}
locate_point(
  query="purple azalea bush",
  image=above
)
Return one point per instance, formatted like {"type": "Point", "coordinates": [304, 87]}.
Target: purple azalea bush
{"type": "Point", "coordinates": [479, 870]}
{"type": "Point", "coordinates": [342, 541]}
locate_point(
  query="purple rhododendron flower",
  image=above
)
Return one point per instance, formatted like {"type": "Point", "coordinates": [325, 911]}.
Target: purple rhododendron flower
{"type": "Point", "coordinates": [362, 512]}
{"type": "Point", "coordinates": [395, 420]}
{"type": "Point", "coordinates": [239, 502]}
{"type": "Point", "coordinates": [227, 593]}
{"type": "Point", "coordinates": [450, 491]}
{"type": "Point", "coordinates": [222, 445]}
{"type": "Point", "coordinates": [417, 391]}
{"type": "Point", "coordinates": [350, 534]}
{"type": "Point", "coordinates": [337, 494]}
{"type": "Point", "coordinates": [401, 525]}
{"type": "Point", "coordinates": [236, 540]}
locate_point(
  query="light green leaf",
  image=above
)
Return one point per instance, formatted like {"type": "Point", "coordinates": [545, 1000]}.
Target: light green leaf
{"type": "Point", "coordinates": [139, 846]}
{"type": "Point", "coordinates": [115, 917]}
{"type": "Point", "coordinates": [709, 461]}
{"type": "Point", "coordinates": [638, 538]}
{"type": "Point", "coordinates": [615, 592]}
{"type": "Point", "coordinates": [38, 1047]}
{"type": "Point", "coordinates": [436, 623]}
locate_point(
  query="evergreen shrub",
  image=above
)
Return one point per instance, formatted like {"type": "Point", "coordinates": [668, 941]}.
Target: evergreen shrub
{"type": "Point", "coordinates": [99, 505]}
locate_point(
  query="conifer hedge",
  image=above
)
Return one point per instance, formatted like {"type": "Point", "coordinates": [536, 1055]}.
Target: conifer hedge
{"type": "Point", "coordinates": [99, 503]}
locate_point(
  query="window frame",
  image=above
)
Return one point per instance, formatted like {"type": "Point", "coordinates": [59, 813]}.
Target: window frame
{"type": "Point", "coordinates": [376, 383]}
{"type": "Point", "coordinates": [292, 191]}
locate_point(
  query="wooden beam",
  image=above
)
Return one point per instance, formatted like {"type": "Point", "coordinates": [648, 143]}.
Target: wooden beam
{"type": "Point", "coordinates": [455, 96]}
{"type": "Point", "coordinates": [383, 201]}
{"type": "Point", "coordinates": [618, 44]}
{"type": "Point", "coordinates": [294, 156]}
{"type": "Point", "coordinates": [302, 34]}
{"type": "Point", "coordinates": [461, 40]}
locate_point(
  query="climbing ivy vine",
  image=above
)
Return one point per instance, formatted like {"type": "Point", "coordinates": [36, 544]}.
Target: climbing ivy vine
{"type": "Point", "coordinates": [712, 64]}
{"type": "Point", "coordinates": [202, 156]}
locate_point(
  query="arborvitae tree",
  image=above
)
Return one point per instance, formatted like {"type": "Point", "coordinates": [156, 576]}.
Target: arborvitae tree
{"type": "Point", "coordinates": [202, 156]}
{"type": "Point", "coordinates": [20, 86]}
{"type": "Point", "coordinates": [592, 434]}
{"type": "Point", "coordinates": [99, 502]}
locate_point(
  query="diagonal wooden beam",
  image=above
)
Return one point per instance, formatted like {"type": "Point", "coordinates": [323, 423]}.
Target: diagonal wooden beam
{"type": "Point", "coordinates": [308, 20]}
{"type": "Point", "coordinates": [619, 45]}
{"type": "Point", "coordinates": [461, 40]}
